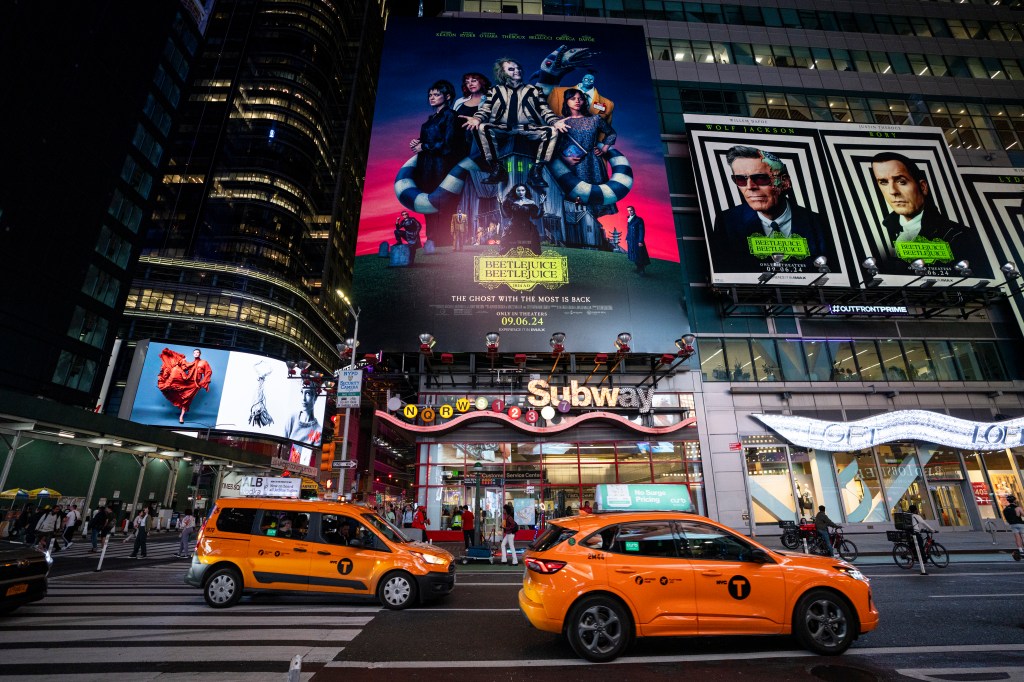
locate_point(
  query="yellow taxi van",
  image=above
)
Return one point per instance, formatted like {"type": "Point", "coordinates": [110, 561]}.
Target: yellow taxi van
{"type": "Point", "coordinates": [304, 546]}
{"type": "Point", "coordinates": [606, 578]}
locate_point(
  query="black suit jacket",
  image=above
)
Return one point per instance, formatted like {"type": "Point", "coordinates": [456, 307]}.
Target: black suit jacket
{"type": "Point", "coordinates": [963, 241]}
{"type": "Point", "coordinates": [729, 250]}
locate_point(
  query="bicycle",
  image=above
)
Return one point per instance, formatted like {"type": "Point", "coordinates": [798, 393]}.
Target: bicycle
{"type": "Point", "coordinates": [838, 544]}
{"type": "Point", "coordinates": [905, 556]}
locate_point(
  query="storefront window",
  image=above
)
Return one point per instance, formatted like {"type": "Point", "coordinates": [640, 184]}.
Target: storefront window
{"type": "Point", "coordinates": [807, 497]}
{"type": "Point", "coordinates": [791, 359]}
{"type": "Point", "coordinates": [892, 360]}
{"type": "Point", "coordinates": [950, 489]}
{"type": "Point", "coordinates": [634, 463]}
{"type": "Point", "coordinates": [843, 366]}
{"type": "Point", "coordinates": [771, 489]}
{"type": "Point", "coordinates": [859, 487]}
{"type": "Point", "coordinates": [919, 365]}
{"type": "Point", "coordinates": [819, 364]}
{"type": "Point", "coordinates": [1002, 475]}
{"type": "Point", "coordinates": [737, 353]}
{"type": "Point", "coordinates": [712, 360]}
{"type": "Point", "coordinates": [942, 359]}
{"type": "Point", "coordinates": [988, 505]}
{"type": "Point", "coordinates": [597, 452]}
{"type": "Point", "coordinates": [868, 361]}
{"type": "Point", "coordinates": [766, 360]}
{"type": "Point", "coordinates": [901, 475]}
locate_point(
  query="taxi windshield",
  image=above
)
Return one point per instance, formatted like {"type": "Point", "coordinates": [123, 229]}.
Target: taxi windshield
{"type": "Point", "coordinates": [389, 531]}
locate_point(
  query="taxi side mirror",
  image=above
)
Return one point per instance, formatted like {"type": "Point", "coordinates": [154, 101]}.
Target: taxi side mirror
{"type": "Point", "coordinates": [758, 556]}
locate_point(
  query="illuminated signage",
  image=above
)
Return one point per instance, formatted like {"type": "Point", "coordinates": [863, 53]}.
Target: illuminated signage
{"type": "Point", "coordinates": [920, 425]}
{"type": "Point", "coordinates": [262, 486]}
{"type": "Point", "coordinates": [486, 229]}
{"type": "Point", "coordinates": [776, 196]}
{"type": "Point", "coordinates": [868, 310]}
{"type": "Point", "coordinates": [541, 395]}
{"type": "Point", "coordinates": [657, 497]}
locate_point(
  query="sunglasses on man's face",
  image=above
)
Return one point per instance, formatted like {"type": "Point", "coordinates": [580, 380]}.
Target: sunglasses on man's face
{"type": "Point", "coordinates": [760, 179]}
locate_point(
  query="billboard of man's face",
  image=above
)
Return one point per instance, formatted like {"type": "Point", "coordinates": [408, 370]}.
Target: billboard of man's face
{"type": "Point", "coordinates": [905, 195]}
{"type": "Point", "coordinates": [762, 187]}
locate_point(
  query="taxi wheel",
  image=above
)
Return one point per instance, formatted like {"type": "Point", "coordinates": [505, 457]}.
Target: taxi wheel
{"type": "Point", "coordinates": [397, 591]}
{"type": "Point", "coordinates": [599, 629]}
{"type": "Point", "coordinates": [824, 623]}
{"type": "Point", "coordinates": [223, 589]}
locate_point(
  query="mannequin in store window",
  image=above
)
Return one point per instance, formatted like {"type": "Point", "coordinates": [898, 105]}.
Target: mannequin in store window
{"type": "Point", "coordinates": [806, 501]}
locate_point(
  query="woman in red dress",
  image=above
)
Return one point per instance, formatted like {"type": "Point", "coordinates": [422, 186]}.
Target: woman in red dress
{"type": "Point", "coordinates": [179, 380]}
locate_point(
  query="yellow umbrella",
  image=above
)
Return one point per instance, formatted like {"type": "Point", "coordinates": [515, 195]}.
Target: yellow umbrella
{"type": "Point", "coordinates": [44, 492]}
{"type": "Point", "coordinates": [16, 494]}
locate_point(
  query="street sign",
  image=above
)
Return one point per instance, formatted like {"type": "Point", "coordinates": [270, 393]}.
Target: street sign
{"type": "Point", "coordinates": [344, 464]}
{"type": "Point", "coordinates": [350, 386]}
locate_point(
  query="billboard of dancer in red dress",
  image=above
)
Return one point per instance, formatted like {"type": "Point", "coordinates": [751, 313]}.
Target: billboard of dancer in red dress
{"type": "Point", "coordinates": [180, 380]}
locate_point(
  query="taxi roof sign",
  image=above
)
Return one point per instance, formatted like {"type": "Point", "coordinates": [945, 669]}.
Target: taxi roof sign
{"type": "Point", "coordinates": [266, 486]}
{"type": "Point", "coordinates": [654, 497]}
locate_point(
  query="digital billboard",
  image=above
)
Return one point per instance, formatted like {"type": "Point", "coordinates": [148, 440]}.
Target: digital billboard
{"type": "Point", "coordinates": [204, 388]}
{"type": "Point", "coordinates": [516, 184]}
{"type": "Point", "coordinates": [998, 193]}
{"type": "Point", "coordinates": [780, 194]}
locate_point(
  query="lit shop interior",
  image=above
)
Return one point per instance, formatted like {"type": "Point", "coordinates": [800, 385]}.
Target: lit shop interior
{"type": "Point", "coordinates": [956, 488]}
{"type": "Point", "coordinates": [546, 480]}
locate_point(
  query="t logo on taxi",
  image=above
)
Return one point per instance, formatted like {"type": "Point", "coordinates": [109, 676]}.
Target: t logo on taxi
{"type": "Point", "coordinates": [739, 587]}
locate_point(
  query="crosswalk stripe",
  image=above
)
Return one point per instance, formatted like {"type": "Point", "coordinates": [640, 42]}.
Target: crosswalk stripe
{"type": "Point", "coordinates": [113, 636]}
{"type": "Point", "coordinates": [198, 619]}
{"type": "Point", "coordinates": [197, 610]}
{"type": "Point", "coordinates": [159, 654]}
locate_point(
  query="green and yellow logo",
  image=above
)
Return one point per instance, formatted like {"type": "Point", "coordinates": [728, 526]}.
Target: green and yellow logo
{"type": "Point", "coordinates": [928, 250]}
{"type": "Point", "coordinates": [793, 246]}
{"type": "Point", "coordinates": [521, 270]}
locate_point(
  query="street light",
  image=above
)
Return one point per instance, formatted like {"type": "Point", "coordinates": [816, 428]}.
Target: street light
{"type": "Point", "coordinates": [351, 345]}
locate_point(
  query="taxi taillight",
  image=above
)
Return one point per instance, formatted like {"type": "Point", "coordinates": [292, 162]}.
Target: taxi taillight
{"type": "Point", "coordinates": [202, 530]}
{"type": "Point", "coordinates": [546, 567]}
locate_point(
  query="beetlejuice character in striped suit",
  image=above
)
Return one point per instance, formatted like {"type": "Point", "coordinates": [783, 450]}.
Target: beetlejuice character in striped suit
{"type": "Point", "coordinates": [512, 108]}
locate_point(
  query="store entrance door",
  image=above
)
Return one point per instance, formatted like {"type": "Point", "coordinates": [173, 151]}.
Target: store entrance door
{"type": "Point", "coordinates": [949, 504]}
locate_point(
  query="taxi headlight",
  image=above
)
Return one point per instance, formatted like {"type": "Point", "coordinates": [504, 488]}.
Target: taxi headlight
{"type": "Point", "coordinates": [852, 572]}
{"type": "Point", "coordinates": [431, 559]}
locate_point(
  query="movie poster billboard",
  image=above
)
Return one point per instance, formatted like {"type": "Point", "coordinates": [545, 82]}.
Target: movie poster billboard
{"type": "Point", "coordinates": [780, 194]}
{"type": "Point", "coordinates": [198, 389]}
{"type": "Point", "coordinates": [516, 184]}
{"type": "Point", "coordinates": [998, 193]}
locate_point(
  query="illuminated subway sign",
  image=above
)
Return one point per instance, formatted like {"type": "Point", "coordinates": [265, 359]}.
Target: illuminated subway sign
{"type": "Point", "coordinates": [921, 425]}
{"type": "Point", "coordinates": [542, 394]}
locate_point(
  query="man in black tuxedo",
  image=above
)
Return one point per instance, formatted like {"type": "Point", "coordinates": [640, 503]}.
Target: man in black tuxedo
{"type": "Point", "coordinates": [768, 211]}
{"type": "Point", "coordinates": [916, 218]}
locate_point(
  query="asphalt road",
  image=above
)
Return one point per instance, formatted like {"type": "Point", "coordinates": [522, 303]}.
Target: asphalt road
{"type": "Point", "coordinates": [136, 620]}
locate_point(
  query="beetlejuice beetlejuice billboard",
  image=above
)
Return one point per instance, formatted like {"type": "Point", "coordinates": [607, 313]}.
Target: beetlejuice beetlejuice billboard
{"type": "Point", "coordinates": [516, 184]}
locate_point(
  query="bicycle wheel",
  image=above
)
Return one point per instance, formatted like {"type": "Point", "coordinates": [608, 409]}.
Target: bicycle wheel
{"type": "Point", "coordinates": [938, 555]}
{"type": "Point", "coordinates": [790, 540]}
{"type": "Point", "coordinates": [903, 555]}
{"type": "Point", "coordinates": [848, 550]}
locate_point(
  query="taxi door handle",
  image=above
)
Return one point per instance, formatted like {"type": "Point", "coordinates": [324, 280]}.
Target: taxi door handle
{"type": "Point", "coordinates": [299, 549]}
{"type": "Point", "coordinates": [711, 574]}
{"type": "Point", "coordinates": [323, 553]}
{"type": "Point", "coordinates": [626, 570]}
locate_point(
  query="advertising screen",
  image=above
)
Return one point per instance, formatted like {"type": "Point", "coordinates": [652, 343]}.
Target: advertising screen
{"type": "Point", "coordinates": [204, 388]}
{"type": "Point", "coordinates": [999, 195]}
{"type": "Point", "coordinates": [516, 184]}
{"type": "Point", "coordinates": [779, 195]}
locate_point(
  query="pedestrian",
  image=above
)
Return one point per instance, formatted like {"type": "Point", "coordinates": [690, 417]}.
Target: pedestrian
{"type": "Point", "coordinates": [99, 520]}
{"type": "Point", "coordinates": [420, 521]}
{"type": "Point", "coordinates": [45, 528]}
{"type": "Point", "coordinates": [390, 514]}
{"type": "Point", "coordinates": [186, 524]}
{"type": "Point", "coordinates": [22, 526]}
{"type": "Point", "coordinates": [468, 527]}
{"type": "Point", "coordinates": [407, 516]}
{"type": "Point", "coordinates": [71, 520]}
{"type": "Point", "coordinates": [1013, 514]}
{"type": "Point", "coordinates": [141, 525]}
{"type": "Point", "coordinates": [509, 528]}
{"type": "Point", "coordinates": [131, 527]}
{"type": "Point", "coordinates": [821, 524]}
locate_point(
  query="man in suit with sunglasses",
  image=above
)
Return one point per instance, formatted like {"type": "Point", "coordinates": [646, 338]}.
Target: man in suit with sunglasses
{"type": "Point", "coordinates": [768, 211]}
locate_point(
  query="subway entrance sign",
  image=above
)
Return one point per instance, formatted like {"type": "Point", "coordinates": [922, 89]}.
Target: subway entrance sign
{"type": "Point", "coordinates": [621, 497]}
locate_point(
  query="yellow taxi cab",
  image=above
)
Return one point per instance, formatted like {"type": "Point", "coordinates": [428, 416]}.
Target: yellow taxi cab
{"type": "Point", "coordinates": [303, 546]}
{"type": "Point", "coordinates": [605, 578]}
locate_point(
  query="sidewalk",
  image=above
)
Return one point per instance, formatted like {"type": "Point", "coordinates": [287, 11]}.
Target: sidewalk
{"type": "Point", "coordinates": [872, 547]}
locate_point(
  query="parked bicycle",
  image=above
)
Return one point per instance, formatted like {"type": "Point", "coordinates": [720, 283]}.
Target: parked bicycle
{"type": "Point", "coordinates": [838, 545]}
{"type": "Point", "coordinates": [905, 556]}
